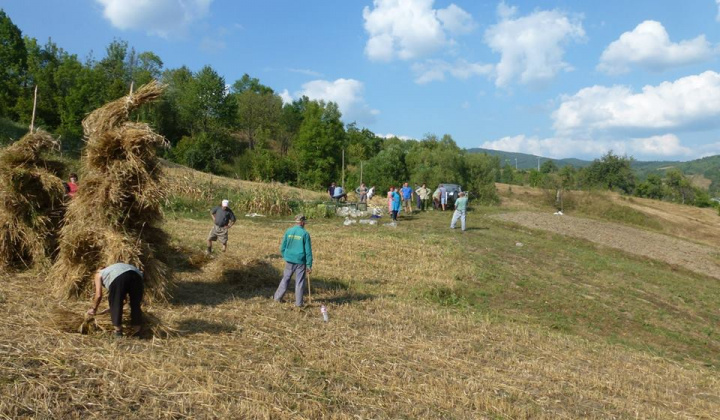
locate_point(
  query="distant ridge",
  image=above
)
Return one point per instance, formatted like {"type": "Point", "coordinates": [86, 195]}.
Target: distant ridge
{"type": "Point", "coordinates": [709, 166]}
{"type": "Point", "coordinates": [528, 161]}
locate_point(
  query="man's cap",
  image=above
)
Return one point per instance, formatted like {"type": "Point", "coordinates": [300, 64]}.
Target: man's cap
{"type": "Point", "coordinates": [300, 218]}
{"type": "Point", "coordinates": [225, 202]}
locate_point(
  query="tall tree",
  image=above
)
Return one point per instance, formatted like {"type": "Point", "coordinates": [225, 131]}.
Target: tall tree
{"type": "Point", "coordinates": [13, 57]}
{"type": "Point", "coordinates": [258, 109]}
{"type": "Point", "coordinates": [319, 144]}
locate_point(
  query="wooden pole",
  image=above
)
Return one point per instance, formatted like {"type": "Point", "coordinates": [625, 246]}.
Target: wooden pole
{"type": "Point", "coordinates": [343, 169]}
{"type": "Point", "coordinates": [361, 172]}
{"type": "Point", "coordinates": [32, 121]}
{"type": "Point", "coordinates": [132, 85]}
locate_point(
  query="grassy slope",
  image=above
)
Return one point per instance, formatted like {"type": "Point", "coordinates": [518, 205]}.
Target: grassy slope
{"type": "Point", "coordinates": [425, 322]}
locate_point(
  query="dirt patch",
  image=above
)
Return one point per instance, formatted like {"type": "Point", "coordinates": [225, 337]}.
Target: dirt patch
{"type": "Point", "coordinates": [694, 257]}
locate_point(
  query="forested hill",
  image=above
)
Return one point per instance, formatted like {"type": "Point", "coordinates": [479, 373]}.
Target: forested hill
{"type": "Point", "coordinates": [528, 161]}
{"type": "Point", "coordinates": [704, 166]}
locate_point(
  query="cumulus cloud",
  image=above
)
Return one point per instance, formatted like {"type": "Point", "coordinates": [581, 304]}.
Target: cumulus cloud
{"type": "Point", "coordinates": [691, 102]}
{"type": "Point", "coordinates": [285, 96]}
{"type": "Point", "coordinates": [411, 29]}
{"type": "Point", "coordinates": [435, 70]}
{"type": "Point", "coordinates": [648, 46]}
{"type": "Point", "coordinates": [456, 20]}
{"type": "Point", "coordinates": [390, 135]}
{"type": "Point", "coordinates": [164, 18]}
{"type": "Point", "coordinates": [554, 147]}
{"type": "Point", "coordinates": [346, 93]}
{"type": "Point", "coordinates": [663, 145]}
{"type": "Point", "coordinates": [531, 47]}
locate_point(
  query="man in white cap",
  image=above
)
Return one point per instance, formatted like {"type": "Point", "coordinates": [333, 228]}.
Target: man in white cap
{"type": "Point", "coordinates": [223, 219]}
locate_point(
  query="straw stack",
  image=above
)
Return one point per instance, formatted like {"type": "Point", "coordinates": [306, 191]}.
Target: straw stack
{"type": "Point", "coordinates": [115, 216]}
{"type": "Point", "coordinates": [31, 202]}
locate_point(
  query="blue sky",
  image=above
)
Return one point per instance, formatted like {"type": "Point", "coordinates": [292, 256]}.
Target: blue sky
{"type": "Point", "coordinates": [557, 78]}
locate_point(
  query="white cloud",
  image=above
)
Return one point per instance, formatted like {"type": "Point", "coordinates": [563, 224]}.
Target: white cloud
{"type": "Point", "coordinates": [554, 147]}
{"type": "Point", "coordinates": [346, 93]}
{"type": "Point", "coordinates": [664, 145]}
{"type": "Point", "coordinates": [435, 70]}
{"type": "Point", "coordinates": [532, 46]}
{"type": "Point", "coordinates": [648, 46]}
{"type": "Point", "coordinates": [411, 29]}
{"type": "Point", "coordinates": [285, 96]}
{"type": "Point", "coordinates": [456, 20]}
{"type": "Point", "coordinates": [692, 102]}
{"type": "Point", "coordinates": [390, 135]}
{"type": "Point", "coordinates": [164, 18]}
{"type": "Point", "coordinates": [306, 72]}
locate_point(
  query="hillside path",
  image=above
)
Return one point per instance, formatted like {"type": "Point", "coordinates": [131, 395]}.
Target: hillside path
{"type": "Point", "coordinates": [694, 257]}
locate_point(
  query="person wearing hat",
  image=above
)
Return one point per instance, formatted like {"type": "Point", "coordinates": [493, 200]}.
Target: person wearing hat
{"type": "Point", "coordinates": [223, 219]}
{"type": "Point", "coordinates": [296, 250]}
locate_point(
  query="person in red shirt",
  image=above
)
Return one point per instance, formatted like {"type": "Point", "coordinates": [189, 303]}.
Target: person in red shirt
{"type": "Point", "coordinates": [72, 185]}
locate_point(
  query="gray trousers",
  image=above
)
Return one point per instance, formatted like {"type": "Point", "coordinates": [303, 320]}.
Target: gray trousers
{"type": "Point", "coordinates": [299, 270]}
{"type": "Point", "coordinates": [459, 214]}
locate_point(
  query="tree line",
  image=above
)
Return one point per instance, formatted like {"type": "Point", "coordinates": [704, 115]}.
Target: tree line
{"type": "Point", "coordinates": [241, 129]}
{"type": "Point", "coordinates": [611, 172]}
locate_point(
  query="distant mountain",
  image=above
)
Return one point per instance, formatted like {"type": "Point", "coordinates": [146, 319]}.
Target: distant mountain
{"type": "Point", "coordinates": [707, 167]}
{"type": "Point", "coordinates": [527, 161]}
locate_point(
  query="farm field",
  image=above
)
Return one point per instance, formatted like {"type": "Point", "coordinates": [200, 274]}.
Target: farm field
{"type": "Point", "coordinates": [505, 320]}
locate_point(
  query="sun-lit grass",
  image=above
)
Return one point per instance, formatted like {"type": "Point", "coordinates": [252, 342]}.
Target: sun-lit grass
{"type": "Point", "coordinates": [425, 322]}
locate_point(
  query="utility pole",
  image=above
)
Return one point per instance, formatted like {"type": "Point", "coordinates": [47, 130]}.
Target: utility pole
{"type": "Point", "coordinates": [516, 164]}
{"type": "Point", "coordinates": [361, 171]}
{"type": "Point", "coordinates": [538, 164]}
{"type": "Point", "coordinates": [343, 169]}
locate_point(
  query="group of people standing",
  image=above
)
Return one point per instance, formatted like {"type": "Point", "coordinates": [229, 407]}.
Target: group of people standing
{"type": "Point", "coordinates": [423, 196]}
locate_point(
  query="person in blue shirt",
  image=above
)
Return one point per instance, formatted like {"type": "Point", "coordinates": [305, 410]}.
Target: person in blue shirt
{"type": "Point", "coordinates": [395, 200]}
{"type": "Point", "coordinates": [296, 250]}
{"type": "Point", "coordinates": [407, 191]}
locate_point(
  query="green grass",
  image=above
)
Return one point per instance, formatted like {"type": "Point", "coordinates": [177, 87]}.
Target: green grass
{"type": "Point", "coordinates": [562, 284]}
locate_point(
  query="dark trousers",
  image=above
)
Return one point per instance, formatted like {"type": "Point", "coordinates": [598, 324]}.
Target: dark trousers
{"type": "Point", "coordinates": [128, 283]}
{"type": "Point", "coordinates": [393, 214]}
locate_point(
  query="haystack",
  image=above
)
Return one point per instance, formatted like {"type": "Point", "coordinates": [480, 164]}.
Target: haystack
{"type": "Point", "coordinates": [31, 202]}
{"type": "Point", "coordinates": [115, 215]}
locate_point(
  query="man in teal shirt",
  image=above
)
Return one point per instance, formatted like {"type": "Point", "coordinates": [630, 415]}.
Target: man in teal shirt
{"type": "Point", "coordinates": [460, 209]}
{"type": "Point", "coordinates": [296, 249]}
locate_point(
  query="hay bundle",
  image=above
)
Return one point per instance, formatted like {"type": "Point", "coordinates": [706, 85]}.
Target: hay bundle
{"type": "Point", "coordinates": [74, 320]}
{"type": "Point", "coordinates": [116, 213]}
{"type": "Point", "coordinates": [31, 201]}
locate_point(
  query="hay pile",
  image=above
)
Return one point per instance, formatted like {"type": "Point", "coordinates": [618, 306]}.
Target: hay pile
{"type": "Point", "coordinates": [69, 320]}
{"type": "Point", "coordinates": [31, 202]}
{"type": "Point", "coordinates": [115, 215]}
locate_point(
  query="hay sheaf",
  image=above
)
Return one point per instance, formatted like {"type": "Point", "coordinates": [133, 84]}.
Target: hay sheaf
{"type": "Point", "coordinates": [31, 201]}
{"type": "Point", "coordinates": [116, 213]}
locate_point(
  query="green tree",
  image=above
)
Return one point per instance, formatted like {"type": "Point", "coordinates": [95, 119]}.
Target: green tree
{"type": "Point", "coordinates": [13, 56]}
{"type": "Point", "coordinates": [680, 186]}
{"type": "Point", "coordinates": [611, 172]}
{"type": "Point", "coordinates": [257, 111]}
{"type": "Point", "coordinates": [319, 144]}
{"type": "Point", "coordinates": [548, 167]}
